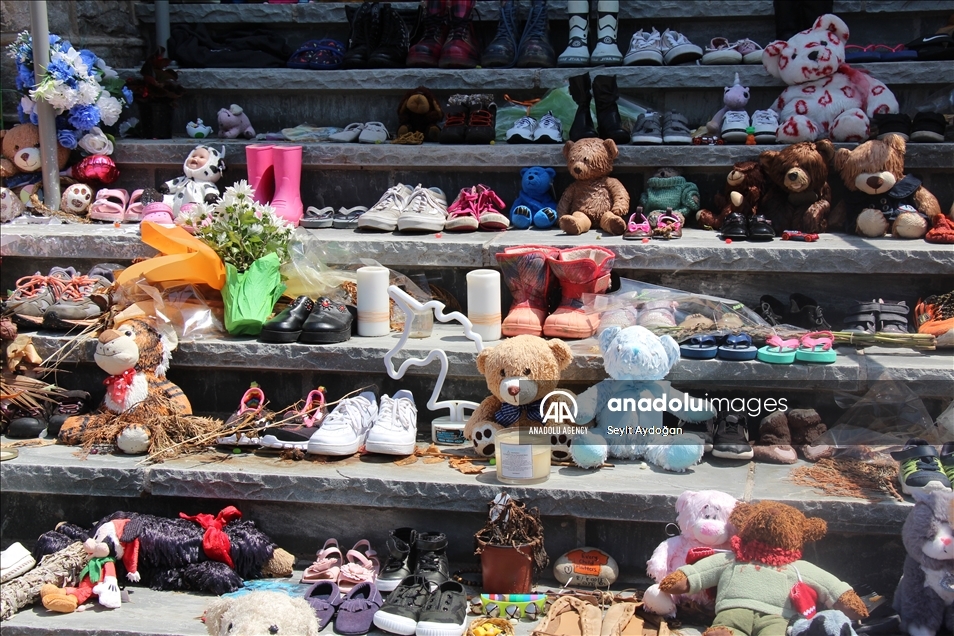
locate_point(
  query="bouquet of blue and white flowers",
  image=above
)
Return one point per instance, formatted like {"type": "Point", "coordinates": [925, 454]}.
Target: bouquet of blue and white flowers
{"type": "Point", "coordinates": [83, 90]}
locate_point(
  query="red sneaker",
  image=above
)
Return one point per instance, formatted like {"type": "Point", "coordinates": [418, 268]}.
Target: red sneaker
{"type": "Point", "coordinates": [461, 49]}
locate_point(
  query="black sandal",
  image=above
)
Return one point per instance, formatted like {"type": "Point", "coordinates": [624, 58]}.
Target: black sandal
{"type": "Point", "coordinates": [772, 309]}
{"type": "Point", "coordinates": [805, 312]}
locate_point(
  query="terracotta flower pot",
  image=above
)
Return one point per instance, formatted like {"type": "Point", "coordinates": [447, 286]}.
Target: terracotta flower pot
{"type": "Point", "coordinates": [506, 569]}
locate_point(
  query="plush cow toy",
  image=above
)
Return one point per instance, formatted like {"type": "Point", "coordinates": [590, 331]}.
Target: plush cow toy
{"type": "Point", "coordinates": [825, 96]}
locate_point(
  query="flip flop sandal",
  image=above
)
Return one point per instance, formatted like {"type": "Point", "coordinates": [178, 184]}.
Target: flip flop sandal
{"type": "Point", "coordinates": [347, 218]}
{"type": "Point", "coordinates": [327, 565]}
{"type": "Point", "coordinates": [700, 348]}
{"type": "Point", "coordinates": [134, 209]}
{"type": "Point", "coordinates": [303, 56]}
{"type": "Point", "coordinates": [778, 351]}
{"type": "Point", "coordinates": [110, 205]}
{"type": "Point", "coordinates": [738, 347]}
{"type": "Point", "coordinates": [361, 566]}
{"type": "Point", "coordinates": [816, 347]}
{"type": "Point", "coordinates": [636, 230]}
{"type": "Point", "coordinates": [315, 218]}
{"type": "Point", "coordinates": [895, 53]}
{"type": "Point", "coordinates": [857, 54]}
{"type": "Point", "coordinates": [329, 55]}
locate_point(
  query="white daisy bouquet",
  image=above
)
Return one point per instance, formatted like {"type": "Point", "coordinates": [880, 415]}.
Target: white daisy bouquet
{"type": "Point", "coordinates": [83, 90]}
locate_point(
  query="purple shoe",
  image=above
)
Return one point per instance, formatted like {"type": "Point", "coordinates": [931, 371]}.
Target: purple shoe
{"type": "Point", "coordinates": [324, 597]}
{"type": "Point", "coordinates": [356, 611]}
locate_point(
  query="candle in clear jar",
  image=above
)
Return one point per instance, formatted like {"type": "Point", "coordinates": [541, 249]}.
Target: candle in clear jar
{"type": "Point", "coordinates": [483, 302]}
{"type": "Point", "coordinates": [373, 301]}
{"type": "Point", "coordinates": [522, 458]}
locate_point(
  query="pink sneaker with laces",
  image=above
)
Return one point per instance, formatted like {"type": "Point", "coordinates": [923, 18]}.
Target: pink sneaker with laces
{"type": "Point", "coordinates": [463, 214]}
{"type": "Point", "coordinates": [490, 210]}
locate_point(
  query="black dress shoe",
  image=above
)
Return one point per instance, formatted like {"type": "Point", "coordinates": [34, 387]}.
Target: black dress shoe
{"type": "Point", "coordinates": [735, 227]}
{"type": "Point", "coordinates": [760, 229]}
{"type": "Point", "coordinates": [328, 323]}
{"type": "Point", "coordinates": [287, 325]}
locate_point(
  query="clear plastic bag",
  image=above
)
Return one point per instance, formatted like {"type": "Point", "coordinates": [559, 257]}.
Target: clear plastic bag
{"type": "Point", "coordinates": [306, 274]}
{"type": "Point", "coordinates": [196, 312]}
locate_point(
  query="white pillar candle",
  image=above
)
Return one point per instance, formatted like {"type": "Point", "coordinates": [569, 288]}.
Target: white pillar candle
{"type": "Point", "coordinates": [373, 302]}
{"type": "Point", "coordinates": [483, 302]}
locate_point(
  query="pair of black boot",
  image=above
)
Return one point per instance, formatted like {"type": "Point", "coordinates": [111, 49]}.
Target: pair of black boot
{"type": "Point", "coordinates": [608, 123]}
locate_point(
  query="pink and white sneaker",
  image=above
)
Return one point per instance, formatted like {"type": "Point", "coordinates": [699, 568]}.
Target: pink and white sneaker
{"type": "Point", "coordinates": [463, 214]}
{"type": "Point", "coordinates": [490, 210]}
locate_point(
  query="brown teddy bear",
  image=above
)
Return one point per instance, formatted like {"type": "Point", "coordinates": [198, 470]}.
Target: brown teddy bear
{"type": "Point", "coordinates": [520, 372]}
{"type": "Point", "coordinates": [420, 112]}
{"type": "Point", "coordinates": [743, 191]}
{"type": "Point", "coordinates": [879, 197]}
{"type": "Point", "coordinates": [21, 151]}
{"type": "Point", "coordinates": [763, 583]}
{"type": "Point", "coordinates": [798, 196]}
{"type": "Point", "coordinates": [594, 198]}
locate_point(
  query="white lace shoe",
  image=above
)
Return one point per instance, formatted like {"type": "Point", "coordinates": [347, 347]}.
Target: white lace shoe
{"type": "Point", "coordinates": [384, 214]}
{"type": "Point", "coordinates": [522, 131]}
{"type": "Point", "coordinates": [345, 429]}
{"type": "Point", "coordinates": [734, 125]}
{"type": "Point", "coordinates": [374, 133]}
{"type": "Point", "coordinates": [645, 49]}
{"type": "Point", "coordinates": [677, 49]}
{"type": "Point", "coordinates": [549, 130]}
{"type": "Point", "coordinates": [765, 123]}
{"type": "Point", "coordinates": [395, 428]}
{"type": "Point", "coordinates": [426, 211]}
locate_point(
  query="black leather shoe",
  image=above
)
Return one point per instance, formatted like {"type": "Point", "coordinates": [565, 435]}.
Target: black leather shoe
{"type": "Point", "coordinates": [73, 403]}
{"type": "Point", "coordinates": [760, 229]}
{"type": "Point", "coordinates": [287, 325]}
{"type": "Point", "coordinates": [328, 323]}
{"type": "Point", "coordinates": [735, 227]}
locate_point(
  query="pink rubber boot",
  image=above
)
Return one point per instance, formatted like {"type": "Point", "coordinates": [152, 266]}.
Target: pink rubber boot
{"type": "Point", "coordinates": [261, 171]}
{"type": "Point", "coordinates": [287, 199]}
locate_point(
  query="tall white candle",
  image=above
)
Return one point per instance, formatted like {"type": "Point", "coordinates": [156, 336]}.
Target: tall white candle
{"type": "Point", "coordinates": [373, 301]}
{"type": "Point", "coordinates": [483, 302]}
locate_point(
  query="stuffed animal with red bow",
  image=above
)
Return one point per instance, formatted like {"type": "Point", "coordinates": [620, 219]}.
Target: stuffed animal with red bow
{"type": "Point", "coordinates": [136, 356]}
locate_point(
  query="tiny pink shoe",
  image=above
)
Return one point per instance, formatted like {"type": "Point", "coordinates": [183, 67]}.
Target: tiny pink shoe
{"type": "Point", "coordinates": [327, 565]}
{"type": "Point", "coordinates": [133, 212]}
{"type": "Point", "coordinates": [490, 210]}
{"type": "Point", "coordinates": [159, 213]}
{"type": "Point", "coordinates": [362, 566]}
{"type": "Point", "coordinates": [110, 205]}
{"type": "Point", "coordinates": [462, 214]}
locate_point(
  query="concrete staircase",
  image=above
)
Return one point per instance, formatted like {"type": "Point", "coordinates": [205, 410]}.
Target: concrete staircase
{"type": "Point", "coordinates": [623, 509]}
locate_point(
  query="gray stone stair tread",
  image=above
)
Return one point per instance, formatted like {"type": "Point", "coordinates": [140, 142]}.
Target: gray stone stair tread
{"type": "Point", "coordinates": [500, 157]}
{"type": "Point", "coordinates": [851, 371]}
{"type": "Point", "coordinates": [333, 12]}
{"type": "Point", "coordinates": [697, 250]}
{"type": "Point", "coordinates": [627, 491]}
{"type": "Point", "coordinates": [397, 81]}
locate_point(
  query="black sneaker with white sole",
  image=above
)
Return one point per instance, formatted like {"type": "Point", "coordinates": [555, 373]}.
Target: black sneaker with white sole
{"type": "Point", "coordinates": [920, 467]}
{"type": "Point", "coordinates": [702, 430]}
{"type": "Point", "coordinates": [445, 613]}
{"type": "Point", "coordinates": [401, 612]}
{"type": "Point", "coordinates": [730, 439]}
{"type": "Point", "coordinates": [402, 559]}
{"type": "Point", "coordinates": [432, 561]}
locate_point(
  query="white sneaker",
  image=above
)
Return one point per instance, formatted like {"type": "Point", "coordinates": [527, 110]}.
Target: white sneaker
{"type": "Point", "coordinates": [384, 214]}
{"type": "Point", "coordinates": [644, 49]}
{"type": "Point", "coordinates": [677, 49]}
{"type": "Point", "coordinates": [765, 123]}
{"type": "Point", "coordinates": [15, 561]}
{"type": "Point", "coordinates": [374, 133]}
{"type": "Point", "coordinates": [395, 429]}
{"type": "Point", "coordinates": [549, 130]}
{"type": "Point", "coordinates": [522, 131]}
{"type": "Point", "coordinates": [345, 429]}
{"type": "Point", "coordinates": [426, 211]}
{"type": "Point", "coordinates": [349, 135]}
{"type": "Point", "coordinates": [734, 125]}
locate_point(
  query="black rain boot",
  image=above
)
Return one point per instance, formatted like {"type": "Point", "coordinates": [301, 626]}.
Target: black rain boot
{"type": "Point", "coordinates": [582, 127]}
{"type": "Point", "coordinates": [606, 94]}
{"type": "Point", "coordinates": [392, 48]}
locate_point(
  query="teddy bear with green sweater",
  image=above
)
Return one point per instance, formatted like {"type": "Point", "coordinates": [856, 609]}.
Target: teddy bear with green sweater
{"type": "Point", "coordinates": [669, 193]}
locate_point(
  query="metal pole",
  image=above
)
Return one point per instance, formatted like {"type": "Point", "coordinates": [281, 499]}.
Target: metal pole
{"type": "Point", "coordinates": [162, 24]}
{"type": "Point", "coordinates": [40, 30]}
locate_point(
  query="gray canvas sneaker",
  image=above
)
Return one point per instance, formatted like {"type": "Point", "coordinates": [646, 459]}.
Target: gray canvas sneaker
{"type": "Point", "coordinates": [384, 214]}
{"type": "Point", "coordinates": [426, 211]}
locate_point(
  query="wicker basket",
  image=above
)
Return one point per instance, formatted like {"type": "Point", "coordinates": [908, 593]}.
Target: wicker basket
{"type": "Point", "coordinates": [501, 623]}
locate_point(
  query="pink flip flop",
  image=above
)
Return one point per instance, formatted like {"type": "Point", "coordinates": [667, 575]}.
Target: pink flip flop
{"type": "Point", "coordinates": [327, 566]}
{"type": "Point", "coordinates": [110, 205]}
{"type": "Point", "coordinates": [134, 208]}
{"type": "Point", "coordinates": [361, 566]}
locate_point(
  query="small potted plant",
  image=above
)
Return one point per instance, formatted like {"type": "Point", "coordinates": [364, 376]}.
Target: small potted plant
{"type": "Point", "coordinates": [156, 93]}
{"type": "Point", "coordinates": [510, 546]}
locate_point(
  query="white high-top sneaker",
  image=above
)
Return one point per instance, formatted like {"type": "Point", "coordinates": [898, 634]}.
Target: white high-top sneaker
{"type": "Point", "coordinates": [577, 53]}
{"type": "Point", "coordinates": [606, 50]}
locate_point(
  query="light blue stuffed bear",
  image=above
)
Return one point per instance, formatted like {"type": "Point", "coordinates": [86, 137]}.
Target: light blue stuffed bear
{"type": "Point", "coordinates": [627, 408]}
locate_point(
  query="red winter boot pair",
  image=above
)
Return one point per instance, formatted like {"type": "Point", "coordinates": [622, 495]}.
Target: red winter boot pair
{"type": "Point", "coordinates": [530, 270]}
{"type": "Point", "coordinates": [274, 172]}
{"type": "Point", "coordinates": [448, 39]}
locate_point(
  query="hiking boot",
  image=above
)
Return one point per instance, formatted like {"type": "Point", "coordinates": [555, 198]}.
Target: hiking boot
{"type": "Point", "coordinates": [402, 559]}
{"type": "Point", "coordinates": [426, 52]}
{"type": "Point", "coordinates": [583, 121]}
{"type": "Point", "coordinates": [580, 270]}
{"type": "Point", "coordinates": [366, 30]}
{"type": "Point", "coordinates": [527, 274]}
{"type": "Point", "coordinates": [84, 299]}
{"type": "Point", "coordinates": [384, 214]}
{"type": "Point", "coordinates": [73, 403]}
{"type": "Point", "coordinates": [455, 122]}
{"type": "Point", "coordinates": [426, 211]}
{"type": "Point", "coordinates": [730, 438]}
{"type": "Point", "coordinates": [482, 122]}
{"type": "Point", "coordinates": [606, 96]}
{"type": "Point", "coordinates": [445, 613]}
{"type": "Point", "coordinates": [502, 50]}
{"type": "Point", "coordinates": [935, 315]}
{"type": "Point", "coordinates": [577, 52]}
{"type": "Point", "coordinates": [920, 468]}
{"type": "Point", "coordinates": [460, 49]}
{"type": "Point", "coordinates": [403, 607]}
{"type": "Point", "coordinates": [432, 561]}
{"type": "Point", "coordinates": [535, 50]}
{"type": "Point", "coordinates": [392, 49]}
{"type": "Point", "coordinates": [35, 294]}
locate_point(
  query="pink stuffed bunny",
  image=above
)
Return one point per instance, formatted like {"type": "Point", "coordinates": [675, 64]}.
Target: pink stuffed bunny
{"type": "Point", "coordinates": [734, 97]}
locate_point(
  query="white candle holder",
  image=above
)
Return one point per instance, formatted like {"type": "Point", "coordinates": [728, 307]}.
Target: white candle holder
{"type": "Point", "coordinates": [373, 306]}
{"type": "Point", "coordinates": [483, 302]}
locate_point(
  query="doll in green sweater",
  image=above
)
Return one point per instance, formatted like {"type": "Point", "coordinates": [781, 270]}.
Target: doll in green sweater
{"type": "Point", "coordinates": [763, 583]}
{"type": "Point", "coordinates": [668, 190]}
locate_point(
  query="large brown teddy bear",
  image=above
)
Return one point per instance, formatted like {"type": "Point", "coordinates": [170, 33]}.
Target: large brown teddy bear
{"type": "Point", "coordinates": [420, 112]}
{"type": "Point", "coordinates": [743, 191]}
{"type": "Point", "coordinates": [873, 174]}
{"type": "Point", "coordinates": [756, 580]}
{"type": "Point", "coordinates": [594, 198]}
{"type": "Point", "coordinates": [798, 196]}
{"type": "Point", "coordinates": [520, 372]}
{"type": "Point", "coordinates": [21, 151]}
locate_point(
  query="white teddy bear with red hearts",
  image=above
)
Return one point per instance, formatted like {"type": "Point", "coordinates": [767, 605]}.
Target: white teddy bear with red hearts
{"type": "Point", "coordinates": [825, 97]}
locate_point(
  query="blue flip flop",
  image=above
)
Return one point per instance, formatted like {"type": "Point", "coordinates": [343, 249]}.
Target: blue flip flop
{"type": "Point", "coordinates": [738, 347]}
{"type": "Point", "coordinates": [700, 348]}
{"type": "Point", "coordinates": [329, 55]}
{"type": "Point", "coordinates": [303, 56]}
